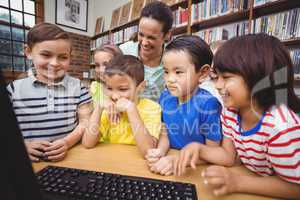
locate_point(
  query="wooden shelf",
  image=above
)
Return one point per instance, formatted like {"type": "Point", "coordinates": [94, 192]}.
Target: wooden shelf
{"type": "Point", "coordinates": [179, 30]}
{"type": "Point", "coordinates": [292, 42]}
{"type": "Point", "coordinates": [221, 20]}
{"type": "Point", "coordinates": [100, 35]}
{"type": "Point", "coordinates": [183, 4]}
{"type": "Point", "coordinates": [275, 7]}
{"type": "Point", "coordinates": [128, 24]}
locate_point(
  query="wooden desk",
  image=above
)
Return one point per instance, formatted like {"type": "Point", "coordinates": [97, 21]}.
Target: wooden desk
{"type": "Point", "coordinates": [126, 160]}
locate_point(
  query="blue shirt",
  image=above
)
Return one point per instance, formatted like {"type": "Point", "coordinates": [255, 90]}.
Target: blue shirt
{"type": "Point", "coordinates": [193, 121]}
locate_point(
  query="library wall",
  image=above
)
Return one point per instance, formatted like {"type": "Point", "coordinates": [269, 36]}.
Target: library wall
{"type": "Point", "coordinates": [80, 55]}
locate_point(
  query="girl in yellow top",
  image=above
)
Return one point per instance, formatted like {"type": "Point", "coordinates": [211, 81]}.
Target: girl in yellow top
{"type": "Point", "coordinates": [102, 56]}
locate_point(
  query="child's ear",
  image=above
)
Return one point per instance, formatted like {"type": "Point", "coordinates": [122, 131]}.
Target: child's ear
{"type": "Point", "coordinates": [27, 51]}
{"type": "Point", "coordinates": [141, 87]}
{"type": "Point", "coordinates": [203, 73]}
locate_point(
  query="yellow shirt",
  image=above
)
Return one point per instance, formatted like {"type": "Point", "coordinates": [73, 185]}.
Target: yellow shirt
{"type": "Point", "coordinates": [121, 133]}
{"type": "Point", "coordinates": [96, 90]}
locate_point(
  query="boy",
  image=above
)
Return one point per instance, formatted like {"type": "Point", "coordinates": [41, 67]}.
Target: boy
{"type": "Point", "coordinates": [50, 105]}
{"type": "Point", "coordinates": [189, 113]}
{"type": "Point", "coordinates": [140, 119]}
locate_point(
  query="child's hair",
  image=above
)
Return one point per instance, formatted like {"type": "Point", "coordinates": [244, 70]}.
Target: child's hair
{"type": "Point", "coordinates": [161, 12]}
{"type": "Point", "coordinates": [126, 64]}
{"type": "Point", "coordinates": [109, 48]}
{"type": "Point", "coordinates": [45, 32]}
{"type": "Point", "coordinates": [198, 50]}
{"type": "Point", "coordinates": [264, 63]}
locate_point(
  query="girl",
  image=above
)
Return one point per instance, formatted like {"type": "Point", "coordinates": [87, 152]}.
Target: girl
{"type": "Point", "coordinates": [255, 80]}
{"type": "Point", "coordinates": [102, 56]}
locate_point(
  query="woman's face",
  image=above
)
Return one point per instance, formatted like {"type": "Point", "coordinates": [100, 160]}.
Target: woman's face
{"type": "Point", "coordinates": [150, 37]}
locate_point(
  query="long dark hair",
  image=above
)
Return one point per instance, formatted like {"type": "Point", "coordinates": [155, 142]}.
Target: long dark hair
{"type": "Point", "coordinates": [265, 64]}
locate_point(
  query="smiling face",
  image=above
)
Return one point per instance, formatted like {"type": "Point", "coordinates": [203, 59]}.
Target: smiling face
{"type": "Point", "coordinates": [180, 75]}
{"type": "Point", "coordinates": [101, 58]}
{"type": "Point", "coordinates": [234, 90]}
{"type": "Point", "coordinates": [121, 86]}
{"type": "Point", "coordinates": [150, 38]}
{"type": "Point", "coordinates": [51, 59]}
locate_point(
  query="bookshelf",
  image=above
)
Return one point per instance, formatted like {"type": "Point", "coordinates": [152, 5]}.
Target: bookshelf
{"type": "Point", "coordinates": [244, 14]}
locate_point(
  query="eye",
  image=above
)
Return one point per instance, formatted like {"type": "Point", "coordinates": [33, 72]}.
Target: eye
{"type": "Point", "coordinates": [179, 72]}
{"type": "Point", "coordinates": [123, 89]}
{"type": "Point", "coordinates": [141, 34]}
{"type": "Point", "coordinates": [63, 57]}
{"type": "Point", "coordinates": [45, 55]}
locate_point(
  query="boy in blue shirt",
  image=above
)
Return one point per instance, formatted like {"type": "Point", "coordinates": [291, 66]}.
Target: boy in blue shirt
{"type": "Point", "coordinates": [189, 113]}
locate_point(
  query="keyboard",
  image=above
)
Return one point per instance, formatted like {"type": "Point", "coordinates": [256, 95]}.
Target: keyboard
{"type": "Point", "coordinates": [61, 183]}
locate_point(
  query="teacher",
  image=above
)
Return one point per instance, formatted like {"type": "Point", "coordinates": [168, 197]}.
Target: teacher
{"type": "Point", "coordinates": [154, 30]}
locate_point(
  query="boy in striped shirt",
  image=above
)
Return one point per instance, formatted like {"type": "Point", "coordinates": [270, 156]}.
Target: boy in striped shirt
{"type": "Point", "coordinates": [50, 106]}
{"type": "Point", "coordinates": [259, 123]}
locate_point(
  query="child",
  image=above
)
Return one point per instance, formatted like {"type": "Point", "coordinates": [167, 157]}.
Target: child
{"type": "Point", "coordinates": [50, 105]}
{"type": "Point", "coordinates": [259, 125]}
{"type": "Point", "coordinates": [140, 120]}
{"type": "Point", "coordinates": [188, 112]}
{"type": "Point", "coordinates": [102, 56]}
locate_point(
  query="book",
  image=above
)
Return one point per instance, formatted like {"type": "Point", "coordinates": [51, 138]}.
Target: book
{"type": "Point", "coordinates": [115, 18]}
{"type": "Point", "coordinates": [99, 25]}
{"type": "Point", "coordinates": [136, 7]}
{"type": "Point", "coordinates": [125, 13]}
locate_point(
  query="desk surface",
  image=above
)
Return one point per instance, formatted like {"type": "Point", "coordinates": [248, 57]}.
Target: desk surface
{"type": "Point", "coordinates": [126, 160]}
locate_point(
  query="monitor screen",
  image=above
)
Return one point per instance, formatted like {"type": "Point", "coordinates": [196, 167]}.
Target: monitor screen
{"type": "Point", "coordinates": [17, 179]}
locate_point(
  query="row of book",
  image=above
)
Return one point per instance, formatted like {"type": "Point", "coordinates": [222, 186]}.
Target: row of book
{"type": "Point", "coordinates": [207, 9]}
{"type": "Point", "coordinates": [284, 25]}
{"type": "Point", "coordinates": [295, 56]}
{"type": "Point", "coordinates": [114, 38]}
{"type": "Point", "coordinates": [131, 11]}
{"type": "Point", "coordinates": [224, 32]}
{"type": "Point", "coordinates": [180, 17]}
{"type": "Point", "coordinates": [99, 41]}
{"type": "Point", "coordinates": [129, 32]}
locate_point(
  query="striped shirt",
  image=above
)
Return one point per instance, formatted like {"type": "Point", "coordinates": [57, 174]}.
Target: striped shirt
{"type": "Point", "coordinates": [47, 112]}
{"type": "Point", "coordinates": [272, 147]}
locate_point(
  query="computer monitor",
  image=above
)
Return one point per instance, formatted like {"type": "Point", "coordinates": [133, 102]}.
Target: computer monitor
{"type": "Point", "coordinates": [17, 179]}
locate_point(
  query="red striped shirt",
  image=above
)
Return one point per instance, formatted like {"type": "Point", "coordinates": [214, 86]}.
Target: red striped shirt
{"type": "Point", "coordinates": [274, 148]}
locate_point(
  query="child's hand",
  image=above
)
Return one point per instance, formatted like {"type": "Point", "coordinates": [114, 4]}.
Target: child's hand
{"type": "Point", "coordinates": [36, 149]}
{"type": "Point", "coordinates": [109, 106]}
{"type": "Point", "coordinates": [220, 179]}
{"type": "Point", "coordinates": [153, 155]}
{"type": "Point", "coordinates": [57, 151]}
{"type": "Point", "coordinates": [163, 166]}
{"type": "Point", "coordinates": [124, 105]}
{"type": "Point", "coordinates": [188, 156]}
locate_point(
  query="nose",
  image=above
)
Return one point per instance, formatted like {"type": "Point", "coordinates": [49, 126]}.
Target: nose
{"type": "Point", "coordinates": [54, 61]}
{"type": "Point", "coordinates": [144, 41]}
{"type": "Point", "coordinates": [170, 78]}
{"type": "Point", "coordinates": [115, 96]}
